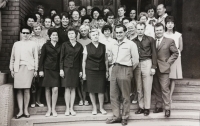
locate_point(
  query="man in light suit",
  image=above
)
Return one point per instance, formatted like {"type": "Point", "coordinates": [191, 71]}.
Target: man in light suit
{"type": "Point", "coordinates": [167, 53]}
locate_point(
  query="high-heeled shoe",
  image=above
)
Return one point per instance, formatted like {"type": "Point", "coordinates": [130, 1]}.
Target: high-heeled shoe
{"type": "Point", "coordinates": [55, 114]}
{"type": "Point", "coordinates": [72, 112]}
{"type": "Point", "coordinates": [48, 114]}
{"type": "Point", "coordinates": [103, 112]}
{"type": "Point", "coordinates": [67, 113]}
{"type": "Point", "coordinates": [27, 116]}
{"type": "Point", "coordinates": [94, 112]}
{"type": "Point", "coordinates": [40, 105]}
{"type": "Point", "coordinates": [32, 105]}
{"type": "Point", "coordinates": [19, 116]}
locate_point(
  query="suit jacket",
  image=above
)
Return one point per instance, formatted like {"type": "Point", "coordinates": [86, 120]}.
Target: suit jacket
{"type": "Point", "coordinates": [50, 56]}
{"type": "Point", "coordinates": [167, 53]}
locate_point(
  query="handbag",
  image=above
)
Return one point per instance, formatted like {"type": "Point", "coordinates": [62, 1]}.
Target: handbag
{"type": "Point", "coordinates": [33, 85]}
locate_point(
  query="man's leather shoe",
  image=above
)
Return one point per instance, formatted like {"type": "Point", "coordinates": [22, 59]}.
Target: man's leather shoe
{"type": "Point", "coordinates": [146, 112]}
{"type": "Point", "coordinates": [157, 110]}
{"type": "Point", "coordinates": [111, 121]}
{"type": "Point", "coordinates": [124, 122]}
{"type": "Point", "coordinates": [167, 113]}
{"type": "Point", "coordinates": [139, 111]}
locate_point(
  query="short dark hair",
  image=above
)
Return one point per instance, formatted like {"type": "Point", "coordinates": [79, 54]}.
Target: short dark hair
{"type": "Point", "coordinates": [95, 9]}
{"type": "Point", "coordinates": [47, 17]}
{"type": "Point", "coordinates": [26, 27]}
{"type": "Point", "coordinates": [149, 7]}
{"type": "Point", "coordinates": [106, 27]}
{"type": "Point", "coordinates": [52, 10]}
{"type": "Point", "coordinates": [76, 11]}
{"type": "Point", "coordinates": [122, 6]}
{"type": "Point", "coordinates": [121, 26]}
{"type": "Point", "coordinates": [126, 18]}
{"type": "Point", "coordinates": [159, 25]}
{"type": "Point", "coordinates": [170, 19]}
{"type": "Point", "coordinates": [81, 8]}
{"type": "Point", "coordinates": [51, 30]}
{"type": "Point", "coordinates": [106, 7]}
{"type": "Point", "coordinates": [101, 18]}
{"type": "Point", "coordinates": [30, 16]}
{"type": "Point", "coordinates": [85, 17]}
{"type": "Point", "coordinates": [109, 14]}
{"type": "Point", "coordinates": [72, 29]}
{"type": "Point", "coordinates": [64, 14]}
{"type": "Point", "coordinates": [141, 23]}
{"type": "Point", "coordinates": [55, 16]}
{"type": "Point", "coordinates": [71, 1]}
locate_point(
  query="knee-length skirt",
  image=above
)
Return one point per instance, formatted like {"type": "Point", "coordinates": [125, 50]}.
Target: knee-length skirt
{"type": "Point", "coordinates": [71, 78]}
{"type": "Point", "coordinates": [96, 81]}
{"type": "Point", "coordinates": [23, 78]}
{"type": "Point", "coordinates": [176, 69]}
{"type": "Point", "coordinates": [51, 78]}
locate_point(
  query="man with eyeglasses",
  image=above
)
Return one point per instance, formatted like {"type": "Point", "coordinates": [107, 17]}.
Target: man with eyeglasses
{"type": "Point", "coordinates": [125, 58]}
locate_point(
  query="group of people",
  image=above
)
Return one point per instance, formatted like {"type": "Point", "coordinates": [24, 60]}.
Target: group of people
{"type": "Point", "coordinates": [88, 49]}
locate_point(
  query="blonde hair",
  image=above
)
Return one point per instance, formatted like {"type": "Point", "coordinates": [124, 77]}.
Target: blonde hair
{"type": "Point", "coordinates": [35, 25]}
{"type": "Point", "coordinates": [143, 14]}
{"type": "Point", "coordinates": [84, 26]}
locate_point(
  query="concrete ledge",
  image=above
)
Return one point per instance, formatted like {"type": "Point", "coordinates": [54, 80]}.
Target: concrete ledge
{"type": "Point", "coordinates": [6, 104]}
{"type": "Point", "coordinates": [41, 119]}
{"type": "Point", "coordinates": [188, 82]}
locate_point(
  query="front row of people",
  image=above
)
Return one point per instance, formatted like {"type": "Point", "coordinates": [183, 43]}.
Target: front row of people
{"type": "Point", "coordinates": [63, 65]}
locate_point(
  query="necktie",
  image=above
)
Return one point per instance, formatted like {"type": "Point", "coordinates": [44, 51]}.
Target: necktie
{"type": "Point", "coordinates": [158, 43]}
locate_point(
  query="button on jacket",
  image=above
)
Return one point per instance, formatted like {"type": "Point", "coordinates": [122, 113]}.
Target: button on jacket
{"type": "Point", "coordinates": [50, 57]}
{"type": "Point", "coordinates": [125, 53]}
{"type": "Point", "coordinates": [71, 56]}
{"type": "Point", "coordinates": [147, 49]}
{"type": "Point", "coordinates": [62, 34]}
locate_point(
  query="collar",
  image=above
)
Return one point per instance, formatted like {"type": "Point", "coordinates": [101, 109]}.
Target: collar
{"type": "Point", "coordinates": [160, 39]}
{"type": "Point", "coordinates": [152, 18]}
{"type": "Point", "coordinates": [124, 41]}
{"type": "Point", "coordinates": [143, 38]}
{"type": "Point", "coordinates": [164, 16]}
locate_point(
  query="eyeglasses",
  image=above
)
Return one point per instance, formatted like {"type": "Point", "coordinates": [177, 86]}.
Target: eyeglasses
{"type": "Point", "coordinates": [25, 33]}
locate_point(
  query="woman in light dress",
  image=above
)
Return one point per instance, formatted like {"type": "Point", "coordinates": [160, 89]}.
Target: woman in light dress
{"type": "Point", "coordinates": [176, 67]}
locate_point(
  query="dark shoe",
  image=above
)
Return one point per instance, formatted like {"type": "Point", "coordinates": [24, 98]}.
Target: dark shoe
{"type": "Point", "coordinates": [167, 113]}
{"type": "Point", "coordinates": [111, 121]}
{"type": "Point", "coordinates": [139, 111]}
{"type": "Point", "coordinates": [157, 110]}
{"type": "Point", "coordinates": [146, 112]}
{"type": "Point", "coordinates": [26, 116]}
{"type": "Point", "coordinates": [18, 117]}
{"type": "Point", "coordinates": [124, 122]}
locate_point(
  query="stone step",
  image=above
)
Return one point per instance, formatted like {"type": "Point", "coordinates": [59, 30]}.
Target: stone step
{"type": "Point", "coordinates": [134, 107]}
{"type": "Point", "coordinates": [188, 82]}
{"type": "Point", "coordinates": [39, 120]}
{"type": "Point", "coordinates": [190, 89]}
{"type": "Point", "coordinates": [156, 122]}
{"type": "Point", "coordinates": [186, 97]}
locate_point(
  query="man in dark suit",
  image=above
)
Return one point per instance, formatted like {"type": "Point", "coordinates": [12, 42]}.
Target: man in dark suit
{"type": "Point", "coordinates": [167, 53]}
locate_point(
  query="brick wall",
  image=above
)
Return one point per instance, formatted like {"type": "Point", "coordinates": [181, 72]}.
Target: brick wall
{"type": "Point", "coordinates": [12, 18]}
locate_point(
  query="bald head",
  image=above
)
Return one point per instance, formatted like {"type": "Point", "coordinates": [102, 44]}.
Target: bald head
{"type": "Point", "coordinates": [161, 9]}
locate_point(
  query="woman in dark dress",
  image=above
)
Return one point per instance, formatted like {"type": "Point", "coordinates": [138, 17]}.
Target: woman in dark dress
{"type": "Point", "coordinates": [95, 70]}
{"type": "Point", "coordinates": [70, 69]}
{"type": "Point", "coordinates": [49, 69]}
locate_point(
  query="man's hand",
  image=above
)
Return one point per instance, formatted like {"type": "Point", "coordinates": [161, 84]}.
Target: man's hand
{"type": "Point", "coordinates": [41, 74]}
{"type": "Point", "coordinates": [62, 74]}
{"type": "Point", "coordinates": [153, 71]}
{"type": "Point", "coordinates": [12, 74]}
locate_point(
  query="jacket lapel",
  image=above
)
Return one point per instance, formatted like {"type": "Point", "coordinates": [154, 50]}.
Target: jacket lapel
{"type": "Point", "coordinates": [161, 44]}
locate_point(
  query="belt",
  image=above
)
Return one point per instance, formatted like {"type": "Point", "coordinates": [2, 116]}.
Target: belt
{"type": "Point", "coordinates": [118, 64]}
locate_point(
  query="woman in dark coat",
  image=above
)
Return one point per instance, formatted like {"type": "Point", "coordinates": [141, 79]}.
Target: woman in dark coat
{"type": "Point", "coordinates": [70, 68]}
{"type": "Point", "coordinates": [49, 68]}
{"type": "Point", "coordinates": [95, 70]}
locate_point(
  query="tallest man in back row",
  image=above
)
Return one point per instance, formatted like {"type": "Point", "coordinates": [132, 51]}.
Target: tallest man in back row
{"type": "Point", "coordinates": [167, 53]}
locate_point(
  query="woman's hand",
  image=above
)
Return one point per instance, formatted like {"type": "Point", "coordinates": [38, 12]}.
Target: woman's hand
{"type": "Point", "coordinates": [62, 74]}
{"type": "Point", "coordinates": [35, 74]}
{"type": "Point", "coordinates": [84, 76]}
{"type": "Point", "coordinates": [107, 74]}
{"type": "Point", "coordinates": [80, 74]}
{"type": "Point", "coordinates": [41, 74]}
{"type": "Point", "coordinates": [12, 74]}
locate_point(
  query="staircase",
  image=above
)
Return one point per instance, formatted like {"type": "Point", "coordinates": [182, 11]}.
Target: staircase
{"type": "Point", "coordinates": [185, 112]}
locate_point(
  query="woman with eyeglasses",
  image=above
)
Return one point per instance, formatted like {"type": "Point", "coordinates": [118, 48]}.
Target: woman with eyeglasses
{"type": "Point", "coordinates": [49, 69]}
{"type": "Point", "coordinates": [23, 67]}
